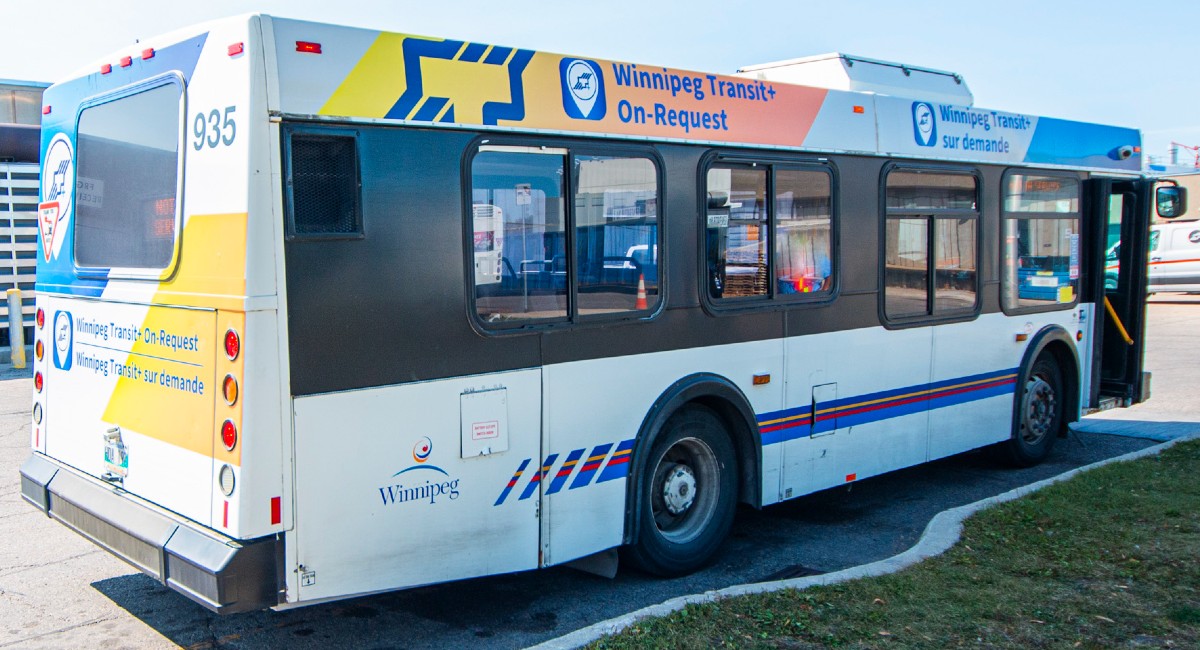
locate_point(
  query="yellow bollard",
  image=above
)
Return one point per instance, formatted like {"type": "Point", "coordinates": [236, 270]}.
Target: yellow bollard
{"type": "Point", "coordinates": [16, 328]}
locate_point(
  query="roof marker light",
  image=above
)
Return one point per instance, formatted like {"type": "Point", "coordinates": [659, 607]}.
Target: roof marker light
{"type": "Point", "coordinates": [236, 49]}
{"type": "Point", "coordinates": [106, 68]}
{"type": "Point", "coordinates": [148, 53]}
{"type": "Point", "coordinates": [126, 61]}
{"type": "Point", "coordinates": [308, 47]}
{"type": "Point", "coordinates": [860, 110]}
{"type": "Point", "coordinates": [45, 110]}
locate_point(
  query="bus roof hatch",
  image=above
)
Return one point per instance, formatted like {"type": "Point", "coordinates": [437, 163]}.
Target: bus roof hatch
{"type": "Point", "coordinates": [838, 71]}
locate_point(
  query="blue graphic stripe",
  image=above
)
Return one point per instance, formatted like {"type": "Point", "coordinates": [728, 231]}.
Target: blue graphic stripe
{"type": "Point", "coordinates": [790, 424]}
{"type": "Point", "coordinates": [473, 52]}
{"type": "Point", "coordinates": [430, 109]}
{"type": "Point", "coordinates": [564, 472]}
{"type": "Point", "coordinates": [593, 463]}
{"type": "Point", "coordinates": [536, 479]}
{"type": "Point", "coordinates": [618, 465]}
{"type": "Point", "coordinates": [493, 112]}
{"type": "Point", "coordinates": [512, 482]}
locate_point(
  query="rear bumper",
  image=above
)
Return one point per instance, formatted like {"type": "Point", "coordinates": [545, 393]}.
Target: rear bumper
{"type": "Point", "coordinates": [222, 574]}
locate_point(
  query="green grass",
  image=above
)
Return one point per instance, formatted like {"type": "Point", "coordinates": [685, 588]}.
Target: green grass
{"type": "Point", "coordinates": [1109, 558]}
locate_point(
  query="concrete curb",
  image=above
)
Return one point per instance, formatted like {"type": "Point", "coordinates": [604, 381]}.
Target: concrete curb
{"type": "Point", "coordinates": [942, 533]}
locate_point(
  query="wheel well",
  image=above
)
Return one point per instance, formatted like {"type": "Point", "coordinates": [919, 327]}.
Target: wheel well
{"type": "Point", "coordinates": [745, 441]}
{"type": "Point", "coordinates": [1056, 343]}
{"type": "Point", "coordinates": [728, 402]}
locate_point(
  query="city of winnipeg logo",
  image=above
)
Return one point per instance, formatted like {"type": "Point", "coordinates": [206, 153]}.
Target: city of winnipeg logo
{"type": "Point", "coordinates": [924, 124]}
{"type": "Point", "coordinates": [422, 482]}
{"type": "Point", "coordinates": [582, 89]}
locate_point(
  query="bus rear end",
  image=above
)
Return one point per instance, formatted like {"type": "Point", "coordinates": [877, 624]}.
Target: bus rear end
{"type": "Point", "coordinates": [150, 311]}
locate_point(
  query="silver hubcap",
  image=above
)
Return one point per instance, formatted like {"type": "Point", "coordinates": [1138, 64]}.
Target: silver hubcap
{"type": "Point", "coordinates": [1039, 407]}
{"type": "Point", "coordinates": [679, 490]}
{"type": "Point", "coordinates": [684, 490]}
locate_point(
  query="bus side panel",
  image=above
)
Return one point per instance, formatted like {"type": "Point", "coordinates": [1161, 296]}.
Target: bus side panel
{"type": "Point", "coordinates": [385, 498]}
{"type": "Point", "coordinates": [870, 416]}
{"type": "Point", "coordinates": [594, 410]}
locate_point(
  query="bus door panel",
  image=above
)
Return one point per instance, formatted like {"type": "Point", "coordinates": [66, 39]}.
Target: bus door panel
{"type": "Point", "coordinates": [970, 390]}
{"type": "Point", "coordinates": [418, 483]}
{"type": "Point", "coordinates": [1117, 230]}
{"type": "Point", "coordinates": [867, 421]}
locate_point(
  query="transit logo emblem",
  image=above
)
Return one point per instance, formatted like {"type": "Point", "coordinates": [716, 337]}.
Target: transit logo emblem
{"type": "Point", "coordinates": [582, 89]}
{"type": "Point", "coordinates": [421, 487]}
{"type": "Point", "coordinates": [58, 186]}
{"type": "Point", "coordinates": [924, 124]}
{"type": "Point", "coordinates": [64, 339]}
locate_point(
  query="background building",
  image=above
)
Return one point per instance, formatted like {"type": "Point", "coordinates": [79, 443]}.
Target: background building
{"type": "Point", "coordinates": [20, 139]}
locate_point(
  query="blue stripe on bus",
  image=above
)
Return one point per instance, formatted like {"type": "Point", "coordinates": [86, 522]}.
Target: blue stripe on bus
{"type": "Point", "coordinates": [779, 426]}
{"type": "Point", "coordinates": [593, 463]}
{"type": "Point", "coordinates": [790, 424]}
{"type": "Point", "coordinates": [618, 465]}
{"type": "Point", "coordinates": [512, 481]}
{"type": "Point", "coordinates": [536, 479]}
{"type": "Point", "coordinates": [564, 472]}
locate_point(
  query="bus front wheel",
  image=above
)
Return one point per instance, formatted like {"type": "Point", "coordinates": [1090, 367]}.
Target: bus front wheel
{"type": "Point", "coordinates": [687, 495]}
{"type": "Point", "coordinates": [1039, 413]}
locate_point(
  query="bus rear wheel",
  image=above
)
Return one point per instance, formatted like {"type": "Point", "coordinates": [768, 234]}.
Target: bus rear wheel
{"type": "Point", "coordinates": [1039, 414]}
{"type": "Point", "coordinates": [687, 495]}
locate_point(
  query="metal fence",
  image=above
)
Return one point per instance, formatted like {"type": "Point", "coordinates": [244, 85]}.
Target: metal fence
{"type": "Point", "coordinates": [19, 189]}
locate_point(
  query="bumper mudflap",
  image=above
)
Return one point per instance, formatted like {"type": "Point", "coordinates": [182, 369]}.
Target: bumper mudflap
{"type": "Point", "coordinates": [222, 574]}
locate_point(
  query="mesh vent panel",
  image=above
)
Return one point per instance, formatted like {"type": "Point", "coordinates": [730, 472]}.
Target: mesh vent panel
{"type": "Point", "coordinates": [324, 185]}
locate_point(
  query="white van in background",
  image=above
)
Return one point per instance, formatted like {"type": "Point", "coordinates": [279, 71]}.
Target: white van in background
{"type": "Point", "coordinates": [1175, 257]}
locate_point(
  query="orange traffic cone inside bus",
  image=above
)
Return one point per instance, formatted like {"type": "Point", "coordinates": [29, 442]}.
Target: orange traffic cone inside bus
{"type": "Point", "coordinates": [641, 294]}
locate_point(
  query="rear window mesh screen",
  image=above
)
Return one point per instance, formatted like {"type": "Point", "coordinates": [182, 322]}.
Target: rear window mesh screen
{"type": "Point", "coordinates": [324, 185]}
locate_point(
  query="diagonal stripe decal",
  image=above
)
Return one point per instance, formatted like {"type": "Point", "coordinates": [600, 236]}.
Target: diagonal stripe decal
{"type": "Point", "coordinates": [598, 467]}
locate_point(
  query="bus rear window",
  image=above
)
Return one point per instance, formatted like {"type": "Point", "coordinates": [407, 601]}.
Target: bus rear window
{"type": "Point", "coordinates": [128, 159]}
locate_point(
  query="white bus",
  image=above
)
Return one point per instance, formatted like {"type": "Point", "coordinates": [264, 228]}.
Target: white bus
{"type": "Point", "coordinates": [326, 311]}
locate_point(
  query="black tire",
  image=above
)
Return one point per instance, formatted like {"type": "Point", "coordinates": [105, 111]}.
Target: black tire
{"type": "Point", "coordinates": [1038, 415]}
{"type": "Point", "coordinates": [687, 495]}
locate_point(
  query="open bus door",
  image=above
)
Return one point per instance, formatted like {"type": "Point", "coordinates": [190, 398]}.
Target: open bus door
{"type": "Point", "coordinates": [1117, 230]}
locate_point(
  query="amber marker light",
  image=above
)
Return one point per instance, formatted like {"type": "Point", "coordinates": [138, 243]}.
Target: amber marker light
{"type": "Point", "coordinates": [230, 389]}
{"type": "Point", "coordinates": [39, 349]}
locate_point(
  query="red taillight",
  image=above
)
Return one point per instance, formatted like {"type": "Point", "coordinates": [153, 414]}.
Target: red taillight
{"type": "Point", "coordinates": [39, 349]}
{"type": "Point", "coordinates": [236, 49]}
{"type": "Point", "coordinates": [229, 435]}
{"type": "Point", "coordinates": [233, 345]}
{"type": "Point", "coordinates": [126, 61]}
{"type": "Point", "coordinates": [37, 381]}
{"type": "Point", "coordinates": [41, 318]}
{"type": "Point", "coordinates": [306, 46]}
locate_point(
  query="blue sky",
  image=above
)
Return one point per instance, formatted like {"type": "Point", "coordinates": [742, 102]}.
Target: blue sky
{"type": "Point", "coordinates": [1109, 61]}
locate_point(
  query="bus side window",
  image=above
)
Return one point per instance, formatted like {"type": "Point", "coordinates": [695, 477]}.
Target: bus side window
{"type": "Point", "coordinates": [1041, 229]}
{"type": "Point", "coordinates": [758, 247]}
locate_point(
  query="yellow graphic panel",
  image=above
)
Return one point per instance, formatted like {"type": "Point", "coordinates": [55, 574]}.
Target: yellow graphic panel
{"type": "Point", "coordinates": [165, 381]}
